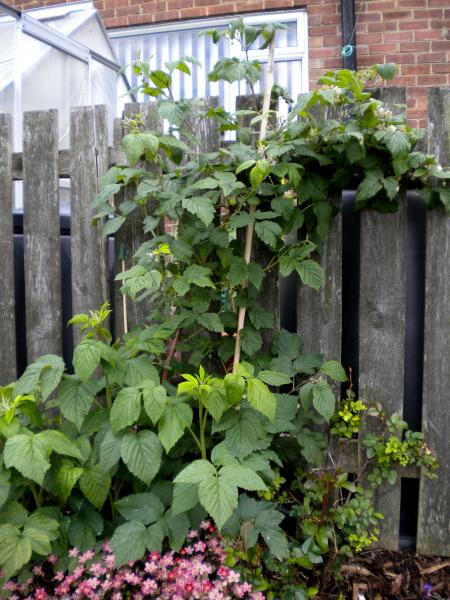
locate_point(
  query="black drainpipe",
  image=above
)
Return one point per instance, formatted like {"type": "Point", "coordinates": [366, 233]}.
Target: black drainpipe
{"type": "Point", "coordinates": [349, 34]}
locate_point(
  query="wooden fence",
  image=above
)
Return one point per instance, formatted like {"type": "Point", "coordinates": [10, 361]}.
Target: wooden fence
{"type": "Point", "coordinates": [382, 283]}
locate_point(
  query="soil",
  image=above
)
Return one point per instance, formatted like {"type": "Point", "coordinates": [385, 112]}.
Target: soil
{"type": "Point", "coordinates": [385, 575]}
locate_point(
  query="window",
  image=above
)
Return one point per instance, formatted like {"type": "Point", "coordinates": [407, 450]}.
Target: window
{"type": "Point", "coordinates": [167, 42]}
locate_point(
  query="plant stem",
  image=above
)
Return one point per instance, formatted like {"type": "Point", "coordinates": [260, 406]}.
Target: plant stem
{"type": "Point", "coordinates": [202, 424]}
{"type": "Point", "coordinates": [170, 355]}
{"type": "Point", "coordinates": [108, 392]}
{"type": "Point", "coordinates": [250, 227]}
{"type": "Point", "coordinates": [197, 441]}
{"type": "Point", "coordinates": [36, 496]}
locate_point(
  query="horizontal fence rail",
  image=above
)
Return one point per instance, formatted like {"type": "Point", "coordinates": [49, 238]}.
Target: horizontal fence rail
{"type": "Point", "coordinates": [382, 283]}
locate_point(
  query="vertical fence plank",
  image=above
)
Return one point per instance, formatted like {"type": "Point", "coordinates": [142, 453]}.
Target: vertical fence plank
{"type": "Point", "coordinates": [382, 334]}
{"type": "Point", "coordinates": [41, 234]}
{"type": "Point", "coordinates": [433, 532]}
{"type": "Point", "coordinates": [319, 314]}
{"type": "Point", "coordinates": [382, 324]}
{"type": "Point", "coordinates": [131, 235]}
{"type": "Point", "coordinates": [87, 244]}
{"type": "Point", "coordinates": [7, 302]}
{"type": "Point", "coordinates": [102, 156]}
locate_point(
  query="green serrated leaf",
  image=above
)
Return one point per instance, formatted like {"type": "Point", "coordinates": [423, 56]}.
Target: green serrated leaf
{"type": "Point", "coordinates": [219, 497]}
{"type": "Point", "coordinates": [110, 450]}
{"type": "Point", "coordinates": [200, 206]}
{"type": "Point", "coordinates": [174, 420]}
{"type": "Point", "coordinates": [29, 455]}
{"type": "Point", "coordinates": [243, 477]}
{"type": "Point", "coordinates": [144, 508]}
{"type": "Point", "coordinates": [113, 225]}
{"type": "Point", "coordinates": [211, 322]}
{"type": "Point", "coordinates": [311, 274]}
{"type": "Point", "coordinates": [261, 398]}
{"type": "Point", "coordinates": [86, 358]}
{"type": "Point", "coordinates": [126, 409]}
{"type": "Point", "coordinates": [75, 399]}
{"type": "Point", "coordinates": [155, 398]}
{"type": "Point", "coordinates": [335, 370]}
{"type": "Point", "coordinates": [141, 452]}
{"type": "Point", "coordinates": [323, 399]}
{"type": "Point", "coordinates": [15, 551]}
{"type": "Point", "coordinates": [129, 542]}
{"type": "Point", "coordinates": [274, 378]}
{"type": "Point", "coordinates": [269, 232]}
{"type": "Point", "coordinates": [66, 477]}
{"type": "Point", "coordinates": [95, 483]}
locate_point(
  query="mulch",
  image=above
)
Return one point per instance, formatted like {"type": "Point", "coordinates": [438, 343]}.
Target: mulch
{"type": "Point", "coordinates": [385, 575]}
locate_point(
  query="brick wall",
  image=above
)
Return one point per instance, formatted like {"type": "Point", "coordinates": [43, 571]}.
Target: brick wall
{"type": "Point", "coordinates": [415, 34]}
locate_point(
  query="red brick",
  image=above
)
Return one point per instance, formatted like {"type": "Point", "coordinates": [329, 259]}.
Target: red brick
{"type": "Point", "coordinates": [438, 3]}
{"type": "Point", "coordinates": [430, 80]}
{"type": "Point", "coordinates": [332, 40]}
{"type": "Point", "coordinates": [331, 20]}
{"type": "Point", "coordinates": [420, 69]}
{"type": "Point", "coordinates": [191, 13]}
{"type": "Point", "coordinates": [221, 9]}
{"type": "Point", "coordinates": [371, 38]}
{"type": "Point", "coordinates": [412, 25]}
{"type": "Point", "coordinates": [443, 45]}
{"type": "Point", "coordinates": [400, 58]}
{"type": "Point", "coordinates": [313, 20]}
{"type": "Point", "coordinates": [383, 48]}
{"type": "Point", "coordinates": [277, 4]}
{"type": "Point", "coordinates": [139, 19]}
{"type": "Point", "coordinates": [431, 57]}
{"type": "Point", "coordinates": [332, 63]}
{"type": "Point", "coordinates": [428, 14]}
{"type": "Point", "coordinates": [410, 3]}
{"type": "Point", "coordinates": [326, 52]}
{"type": "Point", "coordinates": [415, 46]}
{"type": "Point", "coordinates": [172, 4]}
{"type": "Point", "coordinates": [438, 23]}
{"type": "Point", "coordinates": [398, 36]}
{"type": "Point", "coordinates": [371, 17]}
{"type": "Point", "coordinates": [248, 5]}
{"type": "Point", "coordinates": [316, 42]}
{"type": "Point", "coordinates": [431, 34]}
{"type": "Point", "coordinates": [443, 68]}
{"type": "Point", "coordinates": [380, 6]}
{"type": "Point", "coordinates": [321, 9]}
{"type": "Point", "coordinates": [168, 15]}
{"type": "Point", "coordinates": [397, 15]}
{"type": "Point", "coordinates": [388, 26]}
{"type": "Point", "coordinates": [323, 31]}
{"type": "Point", "coordinates": [116, 22]}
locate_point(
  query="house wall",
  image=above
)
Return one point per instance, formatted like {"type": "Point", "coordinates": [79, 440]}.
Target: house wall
{"type": "Point", "coordinates": [415, 34]}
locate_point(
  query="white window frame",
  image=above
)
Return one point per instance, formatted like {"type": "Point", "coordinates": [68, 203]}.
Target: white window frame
{"type": "Point", "coordinates": [298, 53]}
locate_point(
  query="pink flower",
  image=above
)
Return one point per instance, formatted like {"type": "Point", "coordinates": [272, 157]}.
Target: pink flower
{"type": "Point", "coordinates": [37, 571]}
{"type": "Point", "coordinates": [74, 552]}
{"type": "Point", "coordinates": [52, 558]}
{"type": "Point", "coordinates": [40, 594]}
{"type": "Point", "coordinates": [88, 555]}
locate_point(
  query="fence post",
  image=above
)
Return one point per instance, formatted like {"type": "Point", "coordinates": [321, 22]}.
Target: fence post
{"type": "Point", "coordinates": [7, 301]}
{"type": "Point", "coordinates": [41, 234]}
{"type": "Point", "coordinates": [89, 278]}
{"type": "Point", "coordinates": [382, 325]}
{"type": "Point", "coordinates": [433, 531]}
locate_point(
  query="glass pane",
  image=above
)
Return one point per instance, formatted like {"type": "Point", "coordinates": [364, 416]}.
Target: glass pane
{"type": "Point", "coordinates": [104, 90]}
{"type": "Point", "coordinates": [8, 34]}
{"type": "Point", "coordinates": [53, 79]}
{"type": "Point", "coordinates": [161, 47]}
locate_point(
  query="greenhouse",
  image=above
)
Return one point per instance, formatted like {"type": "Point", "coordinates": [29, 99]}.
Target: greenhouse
{"type": "Point", "coordinates": [56, 57]}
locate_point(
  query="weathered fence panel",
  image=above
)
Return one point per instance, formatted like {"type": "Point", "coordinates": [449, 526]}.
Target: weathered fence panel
{"type": "Point", "coordinates": [88, 249]}
{"type": "Point", "coordinates": [382, 299]}
{"type": "Point", "coordinates": [433, 535]}
{"type": "Point", "coordinates": [41, 234]}
{"type": "Point", "coordinates": [7, 302]}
